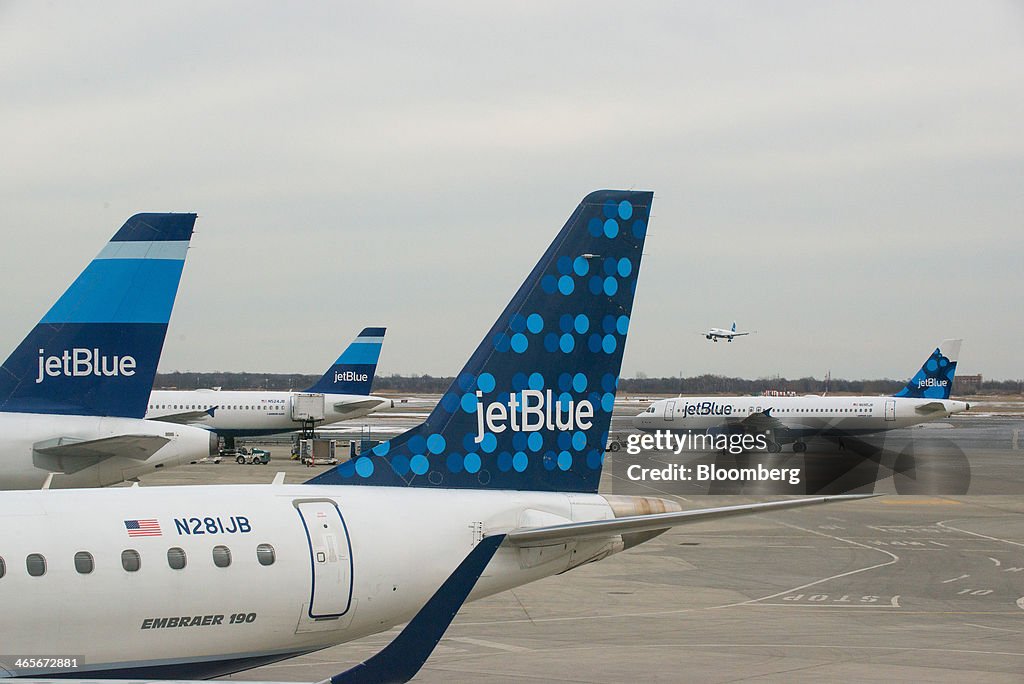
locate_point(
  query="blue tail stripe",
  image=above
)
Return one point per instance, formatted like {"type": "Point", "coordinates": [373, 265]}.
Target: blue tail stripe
{"type": "Point", "coordinates": [360, 352]}
{"type": "Point", "coordinates": [557, 347]}
{"type": "Point", "coordinates": [120, 291]}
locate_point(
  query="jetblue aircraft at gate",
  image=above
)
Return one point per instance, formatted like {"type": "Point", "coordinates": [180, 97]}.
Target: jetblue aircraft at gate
{"type": "Point", "coordinates": [496, 489]}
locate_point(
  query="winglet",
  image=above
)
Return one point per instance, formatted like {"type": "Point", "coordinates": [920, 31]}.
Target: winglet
{"type": "Point", "coordinates": [405, 655]}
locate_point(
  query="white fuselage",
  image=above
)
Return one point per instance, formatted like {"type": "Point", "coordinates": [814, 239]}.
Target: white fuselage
{"type": "Point", "coordinates": [239, 413]}
{"type": "Point", "coordinates": [348, 561]}
{"type": "Point", "coordinates": [22, 467]}
{"type": "Point", "coordinates": [801, 415]}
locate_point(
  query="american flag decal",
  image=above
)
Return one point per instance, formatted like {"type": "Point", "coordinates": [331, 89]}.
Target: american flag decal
{"type": "Point", "coordinates": [143, 528]}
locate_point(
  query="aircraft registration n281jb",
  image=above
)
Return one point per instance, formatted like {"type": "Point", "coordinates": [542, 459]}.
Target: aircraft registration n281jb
{"type": "Point", "coordinates": [792, 419]}
{"type": "Point", "coordinates": [497, 488]}
{"type": "Point", "coordinates": [73, 394]}
{"type": "Point", "coordinates": [343, 393]}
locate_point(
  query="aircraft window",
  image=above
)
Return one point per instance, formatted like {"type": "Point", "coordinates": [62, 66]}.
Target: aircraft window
{"type": "Point", "coordinates": [3, 567]}
{"type": "Point", "coordinates": [83, 562]}
{"type": "Point", "coordinates": [265, 554]}
{"type": "Point", "coordinates": [131, 561]}
{"type": "Point", "coordinates": [36, 564]}
{"type": "Point", "coordinates": [221, 556]}
{"type": "Point", "coordinates": [176, 558]}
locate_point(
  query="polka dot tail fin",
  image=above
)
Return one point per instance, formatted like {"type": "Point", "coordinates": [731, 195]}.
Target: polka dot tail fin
{"type": "Point", "coordinates": [935, 379]}
{"type": "Point", "coordinates": [532, 407]}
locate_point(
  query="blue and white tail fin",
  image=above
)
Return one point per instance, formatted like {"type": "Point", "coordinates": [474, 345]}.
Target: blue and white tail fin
{"type": "Point", "coordinates": [733, 326]}
{"type": "Point", "coordinates": [353, 372]}
{"type": "Point", "coordinates": [532, 407]}
{"type": "Point", "coordinates": [935, 379]}
{"type": "Point", "coordinates": [95, 352]}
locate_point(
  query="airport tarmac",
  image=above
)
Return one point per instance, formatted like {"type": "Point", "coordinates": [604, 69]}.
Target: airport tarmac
{"type": "Point", "coordinates": [923, 588]}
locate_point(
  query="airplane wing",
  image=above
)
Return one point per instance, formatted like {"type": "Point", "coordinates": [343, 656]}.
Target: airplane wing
{"type": "Point", "coordinates": [187, 417]}
{"type": "Point", "coordinates": [360, 405]}
{"type": "Point", "coordinates": [762, 421]}
{"type": "Point", "coordinates": [931, 407]}
{"type": "Point", "coordinates": [539, 536]}
{"type": "Point", "coordinates": [69, 455]}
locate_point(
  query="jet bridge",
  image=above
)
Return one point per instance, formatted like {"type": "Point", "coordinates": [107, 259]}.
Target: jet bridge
{"type": "Point", "coordinates": [307, 408]}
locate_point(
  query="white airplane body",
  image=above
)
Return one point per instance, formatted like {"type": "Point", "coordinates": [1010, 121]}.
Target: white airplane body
{"type": "Point", "coordinates": [343, 393]}
{"type": "Point", "coordinates": [365, 582]}
{"type": "Point", "coordinates": [492, 491]}
{"type": "Point", "coordinates": [72, 395]}
{"type": "Point", "coordinates": [241, 413]}
{"type": "Point", "coordinates": [715, 334]}
{"type": "Point", "coordinates": [790, 419]}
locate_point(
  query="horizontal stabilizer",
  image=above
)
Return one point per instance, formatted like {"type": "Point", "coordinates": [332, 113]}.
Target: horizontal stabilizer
{"type": "Point", "coordinates": [931, 407]}
{"type": "Point", "coordinates": [139, 447]}
{"type": "Point", "coordinates": [69, 454]}
{"type": "Point", "coordinates": [660, 521]}
{"type": "Point", "coordinates": [361, 405]}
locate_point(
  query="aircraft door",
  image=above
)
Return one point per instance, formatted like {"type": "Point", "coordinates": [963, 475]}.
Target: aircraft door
{"type": "Point", "coordinates": [890, 409]}
{"type": "Point", "coordinates": [330, 557]}
{"type": "Point", "coordinates": [670, 408]}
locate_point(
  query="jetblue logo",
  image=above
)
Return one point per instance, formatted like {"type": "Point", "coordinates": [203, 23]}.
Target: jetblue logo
{"type": "Point", "coordinates": [707, 408]}
{"type": "Point", "coordinates": [350, 376]}
{"type": "Point", "coordinates": [931, 382]}
{"type": "Point", "coordinates": [536, 411]}
{"type": "Point", "coordinates": [80, 362]}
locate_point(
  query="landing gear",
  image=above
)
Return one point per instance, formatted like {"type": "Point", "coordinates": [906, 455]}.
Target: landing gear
{"type": "Point", "coordinates": [774, 447]}
{"type": "Point", "coordinates": [799, 447]}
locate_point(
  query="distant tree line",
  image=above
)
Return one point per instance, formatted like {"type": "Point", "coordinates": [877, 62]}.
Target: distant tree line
{"type": "Point", "coordinates": [429, 384]}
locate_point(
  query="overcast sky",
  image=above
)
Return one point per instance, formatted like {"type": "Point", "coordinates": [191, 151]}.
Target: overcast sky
{"type": "Point", "coordinates": [845, 178]}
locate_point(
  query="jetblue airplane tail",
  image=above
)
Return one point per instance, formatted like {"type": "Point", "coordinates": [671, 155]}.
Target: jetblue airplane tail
{"type": "Point", "coordinates": [734, 326]}
{"type": "Point", "coordinates": [935, 379]}
{"type": "Point", "coordinates": [353, 372]}
{"type": "Point", "coordinates": [96, 350]}
{"type": "Point", "coordinates": [532, 407]}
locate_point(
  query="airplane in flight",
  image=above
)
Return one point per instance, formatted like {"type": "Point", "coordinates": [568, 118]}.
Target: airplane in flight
{"type": "Point", "coordinates": [715, 334]}
{"type": "Point", "coordinates": [496, 489]}
{"type": "Point", "coordinates": [73, 393]}
{"type": "Point", "coordinates": [343, 393]}
{"type": "Point", "coordinates": [792, 419]}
